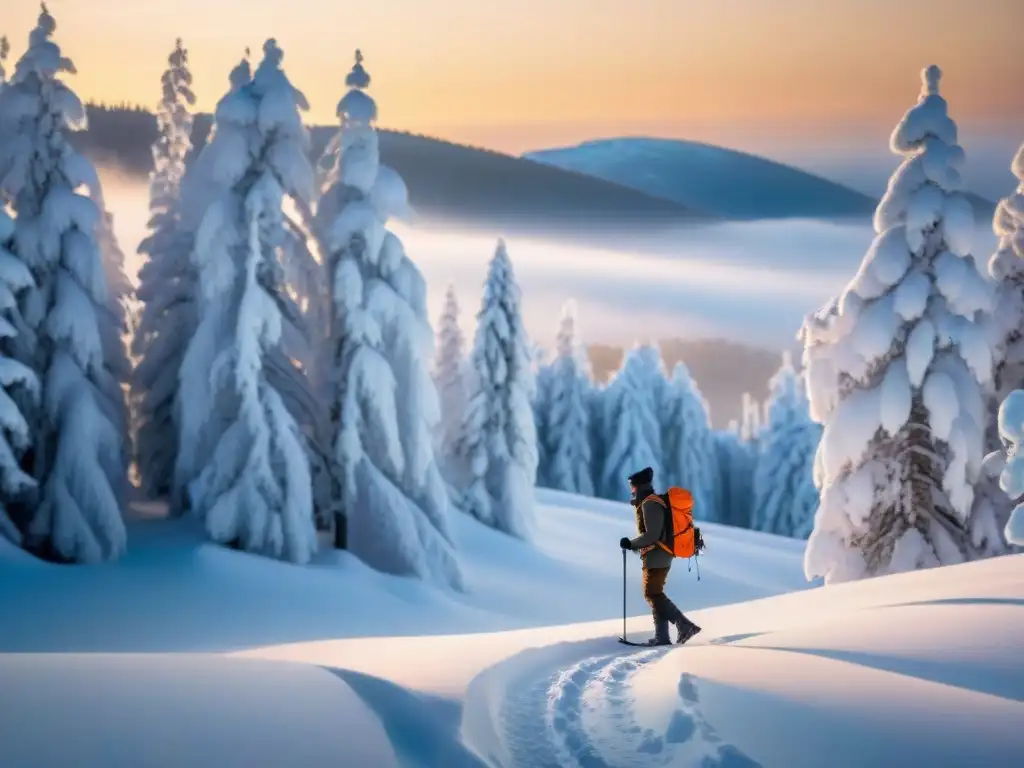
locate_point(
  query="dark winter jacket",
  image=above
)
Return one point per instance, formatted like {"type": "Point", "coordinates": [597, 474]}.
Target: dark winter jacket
{"type": "Point", "coordinates": [650, 522]}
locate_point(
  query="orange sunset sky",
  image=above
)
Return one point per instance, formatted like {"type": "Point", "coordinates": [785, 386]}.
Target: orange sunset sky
{"type": "Point", "coordinates": [531, 73]}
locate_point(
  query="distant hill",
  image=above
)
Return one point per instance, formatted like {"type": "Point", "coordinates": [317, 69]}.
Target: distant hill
{"type": "Point", "coordinates": [717, 181]}
{"type": "Point", "coordinates": [723, 370]}
{"type": "Point", "coordinates": [472, 187]}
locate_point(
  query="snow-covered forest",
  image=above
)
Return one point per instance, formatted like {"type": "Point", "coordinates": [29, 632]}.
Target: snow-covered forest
{"type": "Point", "coordinates": [275, 374]}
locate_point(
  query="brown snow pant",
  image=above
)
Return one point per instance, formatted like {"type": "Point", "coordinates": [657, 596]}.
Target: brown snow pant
{"type": "Point", "coordinates": [654, 593]}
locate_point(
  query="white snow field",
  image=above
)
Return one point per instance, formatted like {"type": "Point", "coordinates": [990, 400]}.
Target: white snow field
{"type": "Point", "coordinates": [184, 653]}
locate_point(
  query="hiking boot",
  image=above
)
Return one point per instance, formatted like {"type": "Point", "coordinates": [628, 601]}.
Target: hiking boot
{"type": "Point", "coordinates": [661, 636]}
{"type": "Point", "coordinates": [685, 634]}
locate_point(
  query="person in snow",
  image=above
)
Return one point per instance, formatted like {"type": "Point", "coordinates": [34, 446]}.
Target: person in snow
{"type": "Point", "coordinates": [651, 522]}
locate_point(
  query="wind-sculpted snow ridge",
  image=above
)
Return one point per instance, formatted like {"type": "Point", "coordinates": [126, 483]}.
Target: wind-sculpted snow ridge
{"type": "Point", "coordinates": [573, 706]}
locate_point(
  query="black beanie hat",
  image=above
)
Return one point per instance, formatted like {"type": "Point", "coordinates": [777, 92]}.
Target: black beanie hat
{"type": "Point", "coordinates": [644, 477]}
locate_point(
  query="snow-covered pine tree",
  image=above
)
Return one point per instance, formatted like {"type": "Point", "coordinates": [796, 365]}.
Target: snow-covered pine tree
{"type": "Point", "coordinates": [17, 384]}
{"type": "Point", "coordinates": [77, 451]}
{"type": "Point", "coordinates": [5, 49]}
{"type": "Point", "coordinates": [737, 461]}
{"type": "Point", "coordinates": [1011, 429]}
{"type": "Point", "coordinates": [384, 403]}
{"type": "Point", "coordinates": [254, 487]}
{"type": "Point", "coordinates": [688, 447]}
{"type": "Point", "coordinates": [450, 378]}
{"type": "Point", "coordinates": [785, 497]}
{"type": "Point", "coordinates": [564, 428]}
{"type": "Point", "coordinates": [167, 286]}
{"type": "Point", "coordinates": [896, 375]}
{"type": "Point", "coordinates": [1006, 330]}
{"type": "Point", "coordinates": [631, 424]}
{"type": "Point", "coordinates": [497, 448]}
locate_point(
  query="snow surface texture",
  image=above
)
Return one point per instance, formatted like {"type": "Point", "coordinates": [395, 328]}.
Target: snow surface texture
{"type": "Point", "coordinates": [384, 403]}
{"type": "Point", "coordinates": [873, 675]}
{"type": "Point", "coordinates": [869, 674]}
{"type": "Point", "coordinates": [167, 286]}
{"type": "Point", "coordinates": [563, 415]}
{"type": "Point", "coordinates": [630, 427]}
{"type": "Point", "coordinates": [241, 454]}
{"type": "Point", "coordinates": [690, 459]}
{"type": "Point", "coordinates": [77, 427]}
{"type": "Point", "coordinates": [1011, 429]}
{"type": "Point", "coordinates": [785, 497]}
{"type": "Point", "coordinates": [497, 449]}
{"type": "Point", "coordinates": [896, 373]}
{"type": "Point", "coordinates": [450, 378]}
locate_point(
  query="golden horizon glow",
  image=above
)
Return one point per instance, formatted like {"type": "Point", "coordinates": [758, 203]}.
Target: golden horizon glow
{"type": "Point", "coordinates": [515, 76]}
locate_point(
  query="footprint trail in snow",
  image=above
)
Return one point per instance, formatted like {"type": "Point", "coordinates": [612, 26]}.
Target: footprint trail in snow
{"type": "Point", "coordinates": [583, 716]}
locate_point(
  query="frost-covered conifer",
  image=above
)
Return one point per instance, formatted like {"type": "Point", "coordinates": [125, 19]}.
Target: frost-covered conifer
{"type": "Point", "coordinates": [5, 49]}
{"type": "Point", "coordinates": [167, 286]}
{"type": "Point", "coordinates": [1011, 429]}
{"type": "Point", "coordinates": [736, 457]}
{"type": "Point", "coordinates": [240, 447]}
{"type": "Point", "coordinates": [384, 402]}
{"type": "Point", "coordinates": [564, 415]}
{"type": "Point", "coordinates": [17, 384]}
{"type": "Point", "coordinates": [785, 497]}
{"type": "Point", "coordinates": [77, 451]}
{"type": "Point", "coordinates": [1006, 331]}
{"type": "Point", "coordinates": [450, 377]}
{"type": "Point", "coordinates": [497, 448]}
{"type": "Point", "coordinates": [630, 423]}
{"type": "Point", "coordinates": [689, 450]}
{"type": "Point", "coordinates": [896, 373]}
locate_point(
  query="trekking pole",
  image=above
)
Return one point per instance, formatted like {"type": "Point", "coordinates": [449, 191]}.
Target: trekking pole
{"type": "Point", "coordinates": [623, 594]}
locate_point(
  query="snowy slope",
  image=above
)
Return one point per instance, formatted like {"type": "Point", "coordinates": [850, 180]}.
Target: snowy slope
{"type": "Point", "coordinates": [324, 666]}
{"type": "Point", "coordinates": [916, 669]}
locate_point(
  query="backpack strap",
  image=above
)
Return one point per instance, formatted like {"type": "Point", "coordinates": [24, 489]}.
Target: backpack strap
{"type": "Point", "coordinates": [659, 543]}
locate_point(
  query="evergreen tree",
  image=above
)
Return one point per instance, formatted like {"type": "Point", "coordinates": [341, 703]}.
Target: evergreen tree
{"type": "Point", "coordinates": [631, 431]}
{"type": "Point", "coordinates": [76, 455]}
{"type": "Point", "coordinates": [17, 384]}
{"type": "Point", "coordinates": [5, 49]}
{"type": "Point", "coordinates": [564, 414]}
{"type": "Point", "coordinates": [450, 376]}
{"type": "Point", "coordinates": [497, 449]}
{"type": "Point", "coordinates": [167, 286]}
{"type": "Point", "coordinates": [689, 450]}
{"type": "Point", "coordinates": [896, 374]}
{"type": "Point", "coordinates": [253, 487]}
{"type": "Point", "coordinates": [1011, 428]}
{"type": "Point", "coordinates": [785, 497]}
{"type": "Point", "coordinates": [737, 461]}
{"type": "Point", "coordinates": [1006, 329]}
{"type": "Point", "coordinates": [384, 403]}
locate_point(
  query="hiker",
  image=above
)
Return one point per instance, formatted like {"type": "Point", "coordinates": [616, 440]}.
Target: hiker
{"type": "Point", "coordinates": [651, 513]}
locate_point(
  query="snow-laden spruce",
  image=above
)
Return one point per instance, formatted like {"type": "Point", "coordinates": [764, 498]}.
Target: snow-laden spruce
{"type": "Point", "coordinates": [18, 384]}
{"type": "Point", "coordinates": [450, 377]}
{"type": "Point", "coordinates": [1006, 335]}
{"type": "Point", "coordinates": [688, 448]}
{"type": "Point", "coordinates": [167, 285]}
{"type": "Point", "coordinates": [497, 448]}
{"type": "Point", "coordinates": [384, 402]}
{"type": "Point", "coordinates": [736, 460]}
{"type": "Point", "coordinates": [563, 424]}
{"type": "Point", "coordinates": [896, 372]}
{"type": "Point", "coordinates": [1011, 428]}
{"type": "Point", "coordinates": [5, 49]}
{"type": "Point", "coordinates": [241, 450]}
{"type": "Point", "coordinates": [630, 422]}
{"type": "Point", "coordinates": [77, 447]}
{"type": "Point", "coordinates": [785, 497]}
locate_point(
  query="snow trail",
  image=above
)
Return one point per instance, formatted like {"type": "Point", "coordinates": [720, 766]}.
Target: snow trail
{"type": "Point", "coordinates": [576, 709]}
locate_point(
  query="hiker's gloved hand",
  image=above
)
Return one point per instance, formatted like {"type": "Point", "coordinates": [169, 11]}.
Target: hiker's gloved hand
{"type": "Point", "coordinates": [625, 543]}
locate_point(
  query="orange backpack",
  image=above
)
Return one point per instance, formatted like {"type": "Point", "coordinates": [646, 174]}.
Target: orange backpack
{"type": "Point", "coordinates": [682, 538]}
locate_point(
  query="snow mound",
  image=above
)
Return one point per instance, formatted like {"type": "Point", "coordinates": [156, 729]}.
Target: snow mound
{"type": "Point", "coordinates": [869, 673]}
